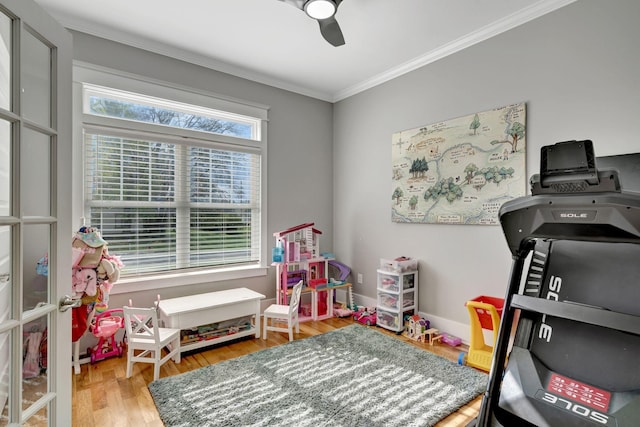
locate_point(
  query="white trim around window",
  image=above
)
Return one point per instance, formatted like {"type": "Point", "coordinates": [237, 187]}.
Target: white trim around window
{"type": "Point", "coordinates": [101, 77]}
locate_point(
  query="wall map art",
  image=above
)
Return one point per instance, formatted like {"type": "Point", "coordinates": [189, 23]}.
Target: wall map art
{"type": "Point", "coordinates": [459, 171]}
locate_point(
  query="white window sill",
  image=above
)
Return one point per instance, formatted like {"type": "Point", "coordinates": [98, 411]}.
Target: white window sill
{"type": "Point", "coordinates": [137, 284]}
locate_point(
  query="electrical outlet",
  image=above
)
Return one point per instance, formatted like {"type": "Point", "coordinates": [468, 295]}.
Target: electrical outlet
{"type": "Point", "coordinates": [360, 278]}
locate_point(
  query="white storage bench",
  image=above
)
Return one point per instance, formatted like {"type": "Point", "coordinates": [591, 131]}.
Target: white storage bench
{"type": "Point", "coordinates": [192, 311]}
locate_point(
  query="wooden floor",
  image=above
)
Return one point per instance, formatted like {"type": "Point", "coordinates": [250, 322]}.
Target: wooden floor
{"type": "Point", "coordinates": [103, 397]}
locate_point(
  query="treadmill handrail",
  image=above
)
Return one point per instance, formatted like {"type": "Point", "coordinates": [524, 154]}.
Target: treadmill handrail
{"type": "Point", "coordinates": [581, 313]}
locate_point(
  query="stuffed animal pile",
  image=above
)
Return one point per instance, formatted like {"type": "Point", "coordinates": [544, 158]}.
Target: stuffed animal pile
{"type": "Point", "coordinates": [94, 272]}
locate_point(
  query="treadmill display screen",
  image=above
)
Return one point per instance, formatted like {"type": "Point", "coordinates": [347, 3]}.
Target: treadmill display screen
{"type": "Point", "coordinates": [585, 394]}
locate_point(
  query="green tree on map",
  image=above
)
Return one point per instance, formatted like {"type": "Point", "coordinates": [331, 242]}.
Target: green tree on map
{"type": "Point", "coordinates": [413, 202]}
{"type": "Point", "coordinates": [516, 133]}
{"type": "Point", "coordinates": [475, 124]}
{"type": "Point", "coordinates": [470, 171]}
{"type": "Point", "coordinates": [397, 194]}
{"type": "Point", "coordinates": [444, 188]}
{"type": "Point", "coordinates": [495, 174]}
{"type": "Point", "coordinates": [419, 167]}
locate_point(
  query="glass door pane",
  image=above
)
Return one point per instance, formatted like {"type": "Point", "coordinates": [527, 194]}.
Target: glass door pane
{"type": "Point", "coordinates": [5, 62]}
{"type": "Point", "coordinates": [36, 80]}
{"type": "Point", "coordinates": [5, 315]}
{"type": "Point", "coordinates": [35, 384]}
{"type": "Point", "coordinates": [35, 274]}
{"type": "Point", "coordinates": [5, 364]}
{"type": "Point", "coordinates": [6, 279]}
{"type": "Point", "coordinates": [35, 173]}
{"type": "Point", "coordinates": [5, 168]}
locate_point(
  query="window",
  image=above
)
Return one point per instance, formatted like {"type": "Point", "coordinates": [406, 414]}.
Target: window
{"type": "Point", "coordinates": [172, 185]}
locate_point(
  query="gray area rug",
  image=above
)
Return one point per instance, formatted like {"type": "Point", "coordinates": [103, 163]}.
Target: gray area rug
{"type": "Point", "coordinates": [353, 376]}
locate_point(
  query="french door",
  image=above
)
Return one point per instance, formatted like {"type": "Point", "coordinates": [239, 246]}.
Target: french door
{"type": "Point", "coordinates": [35, 216]}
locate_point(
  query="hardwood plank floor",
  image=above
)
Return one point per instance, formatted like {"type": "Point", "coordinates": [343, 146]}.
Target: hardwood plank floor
{"type": "Point", "coordinates": [103, 397]}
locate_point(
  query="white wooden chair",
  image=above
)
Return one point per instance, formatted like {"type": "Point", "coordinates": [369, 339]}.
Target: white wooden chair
{"type": "Point", "coordinates": [281, 313]}
{"type": "Point", "coordinates": [143, 334]}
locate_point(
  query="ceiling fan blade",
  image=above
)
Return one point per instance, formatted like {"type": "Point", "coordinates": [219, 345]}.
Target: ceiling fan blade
{"type": "Point", "coordinates": [329, 27]}
{"type": "Point", "coordinates": [331, 31]}
{"type": "Point", "coordinates": [295, 3]}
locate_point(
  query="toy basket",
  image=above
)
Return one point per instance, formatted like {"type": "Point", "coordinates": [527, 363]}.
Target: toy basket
{"type": "Point", "coordinates": [484, 313]}
{"type": "Point", "coordinates": [107, 326]}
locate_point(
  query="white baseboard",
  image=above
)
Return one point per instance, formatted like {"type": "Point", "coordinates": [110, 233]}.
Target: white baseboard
{"type": "Point", "coordinates": [363, 301]}
{"type": "Point", "coordinates": [458, 329]}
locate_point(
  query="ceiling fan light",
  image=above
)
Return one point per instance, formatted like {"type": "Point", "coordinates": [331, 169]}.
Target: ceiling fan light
{"type": "Point", "coordinates": [320, 9]}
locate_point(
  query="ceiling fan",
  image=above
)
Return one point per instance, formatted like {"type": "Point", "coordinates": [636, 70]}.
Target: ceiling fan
{"type": "Point", "coordinates": [324, 12]}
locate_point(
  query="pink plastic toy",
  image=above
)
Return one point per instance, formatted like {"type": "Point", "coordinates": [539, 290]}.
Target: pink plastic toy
{"type": "Point", "coordinates": [451, 340]}
{"type": "Point", "coordinates": [104, 326]}
{"type": "Point", "coordinates": [365, 317]}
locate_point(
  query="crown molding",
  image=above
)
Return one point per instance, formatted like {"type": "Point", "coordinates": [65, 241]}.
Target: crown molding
{"type": "Point", "coordinates": [186, 56]}
{"type": "Point", "coordinates": [514, 20]}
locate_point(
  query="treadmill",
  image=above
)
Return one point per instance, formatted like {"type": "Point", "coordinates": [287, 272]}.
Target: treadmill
{"type": "Point", "coordinates": [568, 347]}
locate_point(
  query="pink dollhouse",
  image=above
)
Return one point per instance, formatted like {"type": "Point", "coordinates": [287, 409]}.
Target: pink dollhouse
{"type": "Point", "coordinates": [297, 257]}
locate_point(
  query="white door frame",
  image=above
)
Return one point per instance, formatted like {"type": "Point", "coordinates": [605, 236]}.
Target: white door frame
{"type": "Point", "coordinates": [26, 14]}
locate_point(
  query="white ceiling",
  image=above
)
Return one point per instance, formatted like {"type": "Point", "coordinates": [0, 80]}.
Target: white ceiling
{"type": "Point", "coordinates": [274, 43]}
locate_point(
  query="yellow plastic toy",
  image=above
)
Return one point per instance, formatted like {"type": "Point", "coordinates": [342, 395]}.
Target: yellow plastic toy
{"type": "Point", "coordinates": [485, 313]}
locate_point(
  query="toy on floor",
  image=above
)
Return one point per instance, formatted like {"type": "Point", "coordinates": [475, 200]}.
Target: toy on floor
{"type": "Point", "coordinates": [366, 317]}
{"type": "Point", "coordinates": [415, 326]}
{"type": "Point", "coordinates": [340, 310]}
{"type": "Point", "coordinates": [432, 335]}
{"type": "Point", "coordinates": [451, 340]}
{"type": "Point", "coordinates": [419, 329]}
{"type": "Point", "coordinates": [104, 326]}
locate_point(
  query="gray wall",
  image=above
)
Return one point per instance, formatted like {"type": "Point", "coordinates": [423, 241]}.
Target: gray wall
{"type": "Point", "coordinates": [578, 70]}
{"type": "Point", "coordinates": [300, 159]}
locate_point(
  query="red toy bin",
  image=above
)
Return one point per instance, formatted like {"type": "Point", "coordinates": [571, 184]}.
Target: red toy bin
{"type": "Point", "coordinates": [485, 316]}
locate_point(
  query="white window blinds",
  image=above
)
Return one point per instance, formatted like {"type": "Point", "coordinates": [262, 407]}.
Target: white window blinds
{"type": "Point", "coordinates": [165, 206]}
{"type": "Point", "coordinates": [165, 202]}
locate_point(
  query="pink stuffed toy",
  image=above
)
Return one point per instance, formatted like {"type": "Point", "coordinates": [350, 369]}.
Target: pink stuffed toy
{"type": "Point", "coordinates": [85, 280]}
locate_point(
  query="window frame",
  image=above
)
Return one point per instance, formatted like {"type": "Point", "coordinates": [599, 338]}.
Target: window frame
{"type": "Point", "coordinates": [100, 76]}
